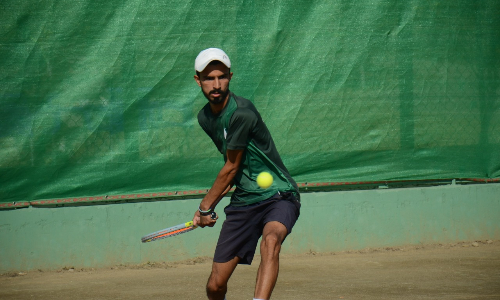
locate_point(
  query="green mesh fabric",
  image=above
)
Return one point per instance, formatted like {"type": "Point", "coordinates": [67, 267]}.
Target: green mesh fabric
{"type": "Point", "coordinates": [98, 98]}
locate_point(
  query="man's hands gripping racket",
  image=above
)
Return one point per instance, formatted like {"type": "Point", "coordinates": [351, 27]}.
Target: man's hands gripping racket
{"type": "Point", "coordinates": [174, 230]}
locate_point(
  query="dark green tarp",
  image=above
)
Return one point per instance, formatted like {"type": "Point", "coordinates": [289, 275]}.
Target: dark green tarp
{"type": "Point", "coordinates": [98, 98]}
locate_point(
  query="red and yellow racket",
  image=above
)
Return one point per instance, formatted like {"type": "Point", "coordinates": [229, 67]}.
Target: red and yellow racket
{"type": "Point", "coordinates": [172, 231]}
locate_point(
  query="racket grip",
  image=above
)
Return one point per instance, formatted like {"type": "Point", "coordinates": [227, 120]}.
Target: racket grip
{"type": "Point", "coordinates": [213, 215]}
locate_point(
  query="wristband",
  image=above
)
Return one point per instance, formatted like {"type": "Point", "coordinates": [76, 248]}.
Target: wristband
{"type": "Point", "coordinates": [204, 212]}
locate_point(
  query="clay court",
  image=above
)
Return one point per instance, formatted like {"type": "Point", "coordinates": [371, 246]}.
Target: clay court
{"type": "Point", "coordinates": [469, 270]}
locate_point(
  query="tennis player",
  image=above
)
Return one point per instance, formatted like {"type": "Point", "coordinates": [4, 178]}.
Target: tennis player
{"type": "Point", "coordinates": [237, 130]}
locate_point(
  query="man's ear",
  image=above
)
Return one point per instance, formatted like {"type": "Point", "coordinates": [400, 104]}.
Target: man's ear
{"type": "Point", "coordinates": [198, 81]}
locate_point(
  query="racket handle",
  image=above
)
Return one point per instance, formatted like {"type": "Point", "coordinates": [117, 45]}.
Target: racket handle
{"type": "Point", "coordinates": [213, 215]}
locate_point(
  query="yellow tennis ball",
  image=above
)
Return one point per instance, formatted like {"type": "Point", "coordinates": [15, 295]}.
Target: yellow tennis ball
{"type": "Point", "coordinates": [265, 180]}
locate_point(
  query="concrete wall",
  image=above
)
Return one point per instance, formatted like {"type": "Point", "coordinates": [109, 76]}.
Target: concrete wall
{"type": "Point", "coordinates": [107, 235]}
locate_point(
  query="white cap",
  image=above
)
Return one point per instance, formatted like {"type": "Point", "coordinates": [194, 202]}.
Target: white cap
{"type": "Point", "coordinates": [208, 55]}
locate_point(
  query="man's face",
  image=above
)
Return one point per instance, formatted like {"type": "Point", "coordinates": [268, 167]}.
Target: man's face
{"type": "Point", "coordinates": [214, 82]}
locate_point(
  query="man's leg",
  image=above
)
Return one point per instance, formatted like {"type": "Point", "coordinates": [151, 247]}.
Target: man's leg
{"type": "Point", "coordinates": [217, 282]}
{"type": "Point", "coordinates": [273, 235]}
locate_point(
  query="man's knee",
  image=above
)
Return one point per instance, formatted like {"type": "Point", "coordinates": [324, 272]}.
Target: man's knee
{"type": "Point", "coordinates": [217, 282]}
{"type": "Point", "coordinates": [215, 286]}
{"type": "Point", "coordinates": [271, 239]}
{"type": "Point", "coordinates": [274, 234]}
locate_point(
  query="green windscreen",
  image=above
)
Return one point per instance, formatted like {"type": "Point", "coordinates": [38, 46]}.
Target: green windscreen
{"type": "Point", "coordinates": [98, 99]}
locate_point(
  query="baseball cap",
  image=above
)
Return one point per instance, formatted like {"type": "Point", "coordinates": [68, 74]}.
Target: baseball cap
{"type": "Point", "coordinates": [208, 55]}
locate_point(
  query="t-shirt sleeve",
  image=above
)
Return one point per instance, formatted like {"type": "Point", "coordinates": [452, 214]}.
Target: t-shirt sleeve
{"type": "Point", "coordinates": [240, 129]}
{"type": "Point", "coordinates": [202, 120]}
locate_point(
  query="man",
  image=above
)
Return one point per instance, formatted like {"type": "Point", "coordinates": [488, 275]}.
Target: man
{"type": "Point", "coordinates": [237, 130]}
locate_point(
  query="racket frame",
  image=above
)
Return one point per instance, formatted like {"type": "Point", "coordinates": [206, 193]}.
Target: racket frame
{"type": "Point", "coordinates": [172, 231]}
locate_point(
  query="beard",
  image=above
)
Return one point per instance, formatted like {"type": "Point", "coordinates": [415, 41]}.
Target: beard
{"type": "Point", "coordinates": [216, 100]}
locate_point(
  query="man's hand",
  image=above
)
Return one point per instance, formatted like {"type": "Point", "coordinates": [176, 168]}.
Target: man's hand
{"type": "Point", "coordinates": [202, 221]}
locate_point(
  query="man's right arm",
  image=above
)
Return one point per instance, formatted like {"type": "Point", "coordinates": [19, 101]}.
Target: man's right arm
{"type": "Point", "coordinates": [221, 186]}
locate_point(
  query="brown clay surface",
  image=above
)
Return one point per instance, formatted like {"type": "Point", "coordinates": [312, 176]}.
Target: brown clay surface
{"type": "Point", "coordinates": [455, 271]}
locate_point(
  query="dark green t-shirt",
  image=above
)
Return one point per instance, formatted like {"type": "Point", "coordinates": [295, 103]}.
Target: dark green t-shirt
{"type": "Point", "coordinates": [240, 126]}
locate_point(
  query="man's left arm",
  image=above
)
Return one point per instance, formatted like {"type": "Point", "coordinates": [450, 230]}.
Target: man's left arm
{"type": "Point", "coordinates": [221, 186]}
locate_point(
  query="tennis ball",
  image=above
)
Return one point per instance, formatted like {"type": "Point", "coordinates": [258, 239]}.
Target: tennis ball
{"type": "Point", "coordinates": [264, 180]}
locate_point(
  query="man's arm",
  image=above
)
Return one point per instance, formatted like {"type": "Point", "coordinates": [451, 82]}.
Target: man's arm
{"type": "Point", "coordinates": [220, 188]}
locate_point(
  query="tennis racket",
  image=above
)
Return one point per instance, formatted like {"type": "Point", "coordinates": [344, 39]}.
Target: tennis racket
{"type": "Point", "coordinates": [172, 231]}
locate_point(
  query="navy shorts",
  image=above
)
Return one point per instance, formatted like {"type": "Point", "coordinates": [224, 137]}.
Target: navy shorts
{"type": "Point", "coordinates": [243, 226]}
